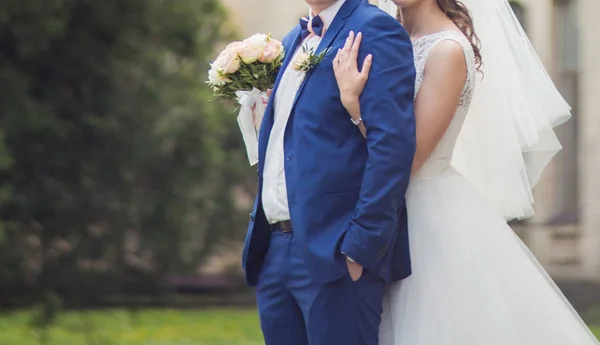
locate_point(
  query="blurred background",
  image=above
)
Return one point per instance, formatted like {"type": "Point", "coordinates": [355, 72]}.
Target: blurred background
{"type": "Point", "coordinates": [125, 191]}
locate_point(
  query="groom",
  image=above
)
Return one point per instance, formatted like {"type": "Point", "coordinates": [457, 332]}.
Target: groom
{"type": "Point", "coordinates": [328, 230]}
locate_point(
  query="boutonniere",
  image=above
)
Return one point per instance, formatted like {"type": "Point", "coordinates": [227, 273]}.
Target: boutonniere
{"type": "Point", "coordinates": [307, 59]}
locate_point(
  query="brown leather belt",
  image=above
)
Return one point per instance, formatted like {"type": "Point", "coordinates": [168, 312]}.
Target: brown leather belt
{"type": "Point", "coordinates": [284, 226]}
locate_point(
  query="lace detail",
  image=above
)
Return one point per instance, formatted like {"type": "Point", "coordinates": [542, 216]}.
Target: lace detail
{"type": "Point", "coordinates": [441, 157]}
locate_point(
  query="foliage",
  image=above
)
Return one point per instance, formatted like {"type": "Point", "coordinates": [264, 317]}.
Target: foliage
{"type": "Point", "coordinates": [115, 169]}
{"type": "Point", "coordinates": [150, 327]}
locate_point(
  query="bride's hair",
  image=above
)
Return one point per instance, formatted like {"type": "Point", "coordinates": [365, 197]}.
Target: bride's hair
{"type": "Point", "coordinates": [458, 13]}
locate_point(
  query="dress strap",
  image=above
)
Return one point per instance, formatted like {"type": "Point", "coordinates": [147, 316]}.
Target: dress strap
{"type": "Point", "coordinates": [424, 46]}
{"type": "Point", "coordinates": [434, 39]}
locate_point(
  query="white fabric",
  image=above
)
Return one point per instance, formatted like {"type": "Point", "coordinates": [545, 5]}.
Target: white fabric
{"type": "Point", "coordinates": [274, 193]}
{"type": "Point", "coordinates": [474, 282]}
{"type": "Point", "coordinates": [507, 139]}
{"type": "Point", "coordinates": [248, 124]}
{"type": "Point", "coordinates": [389, 7]}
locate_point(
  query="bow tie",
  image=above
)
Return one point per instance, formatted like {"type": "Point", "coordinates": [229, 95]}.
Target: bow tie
{"type": "Point", "coordinates": [312, 25]}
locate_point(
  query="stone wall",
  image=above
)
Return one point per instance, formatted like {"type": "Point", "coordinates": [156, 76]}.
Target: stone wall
{"type": "Point", "coordinates": [567, 239]}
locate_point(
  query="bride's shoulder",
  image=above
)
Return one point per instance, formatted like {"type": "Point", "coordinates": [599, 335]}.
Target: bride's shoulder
{"type": "Point", "coordinates": [447, 58]}
{"type": "Point", "coordinates": [447, 51]}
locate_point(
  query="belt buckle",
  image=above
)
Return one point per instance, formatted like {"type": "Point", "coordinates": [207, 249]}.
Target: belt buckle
{"type": "Point", "coordinates": [284, 226]}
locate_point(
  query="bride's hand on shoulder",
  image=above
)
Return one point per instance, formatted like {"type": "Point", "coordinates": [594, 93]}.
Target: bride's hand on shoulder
{"type": "Point", "coordinates": [350, 80]}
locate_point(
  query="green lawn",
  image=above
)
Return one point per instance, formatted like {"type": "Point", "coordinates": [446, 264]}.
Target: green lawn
{"type": "Point", "coordinates": [150, 327]}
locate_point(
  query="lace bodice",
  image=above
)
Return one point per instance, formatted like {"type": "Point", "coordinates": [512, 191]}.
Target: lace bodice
{"type": "Point", "coordinates": [442, 155]}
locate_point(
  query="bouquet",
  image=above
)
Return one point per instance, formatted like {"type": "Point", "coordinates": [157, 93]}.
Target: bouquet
{"type": "Point", "coordinates": [244, 71]}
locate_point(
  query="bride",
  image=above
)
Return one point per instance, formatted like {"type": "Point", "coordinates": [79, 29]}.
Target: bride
{"type": "Point", "coordinates": [485, 109]}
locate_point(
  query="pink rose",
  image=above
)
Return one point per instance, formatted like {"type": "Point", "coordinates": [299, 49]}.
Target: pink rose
{"type": "Point", "coordinates": [228, 61]}
{"type": "Point", "coordinates": [253, 47]}
{"type": "Point", "coordinates": [272, 51]}
{"type": "Point", "coordinates": [235, 46]}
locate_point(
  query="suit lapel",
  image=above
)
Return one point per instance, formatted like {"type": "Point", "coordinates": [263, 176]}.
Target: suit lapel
{"type": "Point", "coordinates": [289, 53]}
{"type": "Point", "coordinates": [338, 23]}
{"type": "Point", "coordinates": [330, 34]}
{"type": "Point", "coordinates": [267, 124]}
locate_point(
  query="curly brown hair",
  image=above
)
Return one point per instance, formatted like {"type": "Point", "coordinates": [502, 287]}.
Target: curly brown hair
{"type": "Point", "coordinates": [458, 13]}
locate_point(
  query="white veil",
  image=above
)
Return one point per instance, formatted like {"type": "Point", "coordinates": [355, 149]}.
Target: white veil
{"type": "Point", "coordinates": [508, 138]}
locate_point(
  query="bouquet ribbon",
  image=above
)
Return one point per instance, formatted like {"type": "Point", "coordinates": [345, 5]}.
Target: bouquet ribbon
{"type": "Point", "coordinates": [249, 121]}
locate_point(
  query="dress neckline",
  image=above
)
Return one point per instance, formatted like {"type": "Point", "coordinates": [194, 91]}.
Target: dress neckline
{"type": "Point", "coordinates": [439, 33]}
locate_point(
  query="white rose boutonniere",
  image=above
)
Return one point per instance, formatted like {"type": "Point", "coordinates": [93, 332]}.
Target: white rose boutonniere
{"type": "Point", "coordinates": [306, 60]}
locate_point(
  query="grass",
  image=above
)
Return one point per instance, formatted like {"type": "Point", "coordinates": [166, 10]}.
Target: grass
{"type": "Point", "coordinates": [149, 327]}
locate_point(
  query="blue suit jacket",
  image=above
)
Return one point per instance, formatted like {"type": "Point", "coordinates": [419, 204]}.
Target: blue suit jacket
{"type": "Point", "coordinates": [346, 194]}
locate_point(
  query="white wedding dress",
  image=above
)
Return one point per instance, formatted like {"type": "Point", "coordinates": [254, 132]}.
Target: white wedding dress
{"type": "Point", "coordinates": [474, 282]}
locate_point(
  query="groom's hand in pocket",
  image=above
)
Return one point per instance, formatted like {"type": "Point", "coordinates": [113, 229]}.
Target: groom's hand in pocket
{"type": "Point", "coordinates": [354, 269]}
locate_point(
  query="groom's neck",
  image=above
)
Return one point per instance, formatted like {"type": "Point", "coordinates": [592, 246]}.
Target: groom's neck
{"type": "Point", "coordinates": [318, 6]}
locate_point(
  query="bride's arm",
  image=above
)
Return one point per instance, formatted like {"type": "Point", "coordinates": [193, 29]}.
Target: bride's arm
{"type": "Point", "coordinates": [354, 111]}
{"type": "Point", "coordinates": [436, 102]}
{"type": "Point", "coordinates": [437, 99]}
{"type": "Point", "coordinates": [351, 82]}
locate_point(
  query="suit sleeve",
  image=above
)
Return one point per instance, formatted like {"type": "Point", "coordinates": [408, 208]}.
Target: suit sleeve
{"type": "Point", "coordinates": [388, 114]}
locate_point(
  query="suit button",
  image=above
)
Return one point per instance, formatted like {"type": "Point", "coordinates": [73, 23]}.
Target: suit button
{"type": "Point", "coordinates": [381, 252]}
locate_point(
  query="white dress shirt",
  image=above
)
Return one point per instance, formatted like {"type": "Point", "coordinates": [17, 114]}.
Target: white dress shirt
{"type": "Point", "coordinates": [274, 193]}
